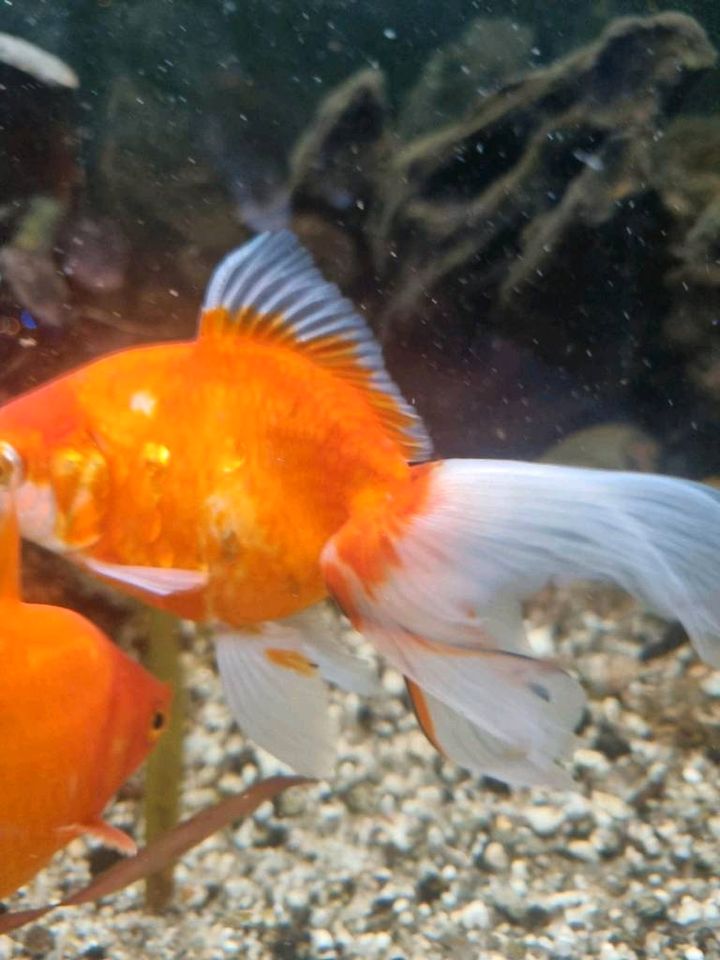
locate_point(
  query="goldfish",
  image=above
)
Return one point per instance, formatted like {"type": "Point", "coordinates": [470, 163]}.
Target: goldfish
{"type": "Point", "coordinates": [243, 476]}
{"type": "Point", "coordinates": [77, 716]}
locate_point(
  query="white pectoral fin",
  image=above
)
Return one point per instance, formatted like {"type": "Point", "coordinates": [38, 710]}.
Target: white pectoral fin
{"type": "Point", "coordinates": [159, 581]}
{"type": "Point", "coordinates": [503, 714]}
{"type": "Point", "coordinates": [278, 697]}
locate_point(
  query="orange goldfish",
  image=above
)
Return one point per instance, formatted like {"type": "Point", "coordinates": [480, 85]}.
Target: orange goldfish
{"type": "Point", "coordinates": [77, 716]}
{"type": "Point", "coordinates": [240, 477]}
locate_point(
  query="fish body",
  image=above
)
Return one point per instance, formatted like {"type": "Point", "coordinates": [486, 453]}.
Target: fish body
{"type": "Point", "coordinates": [244, 476]}
{"type": "Point", "coordinates": [77, 716]}
{"type": "Point", "coordinates": [204, 456]}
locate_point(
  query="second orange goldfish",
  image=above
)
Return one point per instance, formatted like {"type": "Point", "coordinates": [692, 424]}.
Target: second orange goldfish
{"type": "Point", "coordinates": [240, 477]}
{"type": "Point", "coordinates": [77, 716]}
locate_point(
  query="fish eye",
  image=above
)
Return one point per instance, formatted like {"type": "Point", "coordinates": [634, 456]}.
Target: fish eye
{"type": "Point", "coordinates": [158, 721]}
{"type": "Point", "coordinates": [12, 468]}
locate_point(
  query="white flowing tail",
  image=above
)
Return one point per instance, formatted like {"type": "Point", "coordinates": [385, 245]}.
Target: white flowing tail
{"type": "Point", "coordinates": [437, 574]}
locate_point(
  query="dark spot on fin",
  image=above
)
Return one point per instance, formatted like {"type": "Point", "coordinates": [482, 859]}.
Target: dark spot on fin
{"type": "Point", "coordinates": [539, 690]}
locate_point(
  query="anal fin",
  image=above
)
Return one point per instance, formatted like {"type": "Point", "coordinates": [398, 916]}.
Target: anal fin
{"type": "Point", "coordinates": [503, 714]}
{"type": "Point", "coordinates": [466, 744]}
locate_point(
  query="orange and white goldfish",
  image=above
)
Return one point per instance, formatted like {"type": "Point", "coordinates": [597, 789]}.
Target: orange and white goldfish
{"type": "Point", "coordinates": [77, 716]}
{"type": "Point", "coordinates": [240, 477]}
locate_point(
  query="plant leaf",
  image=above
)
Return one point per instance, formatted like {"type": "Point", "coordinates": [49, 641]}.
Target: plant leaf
{"type": "Point", "coordinates": [162, 851]}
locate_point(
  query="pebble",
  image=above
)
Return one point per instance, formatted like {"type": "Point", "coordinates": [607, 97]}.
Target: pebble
{"type": "Point", "coordinates": [519, 909]}
{"type": "Point", "coordinates": [372, 945]}
{"type": "Point", "coordinates": [322, 940]}
{"type": "Point", "coordinates": [473, 916]}
{"type": "Point", "coordinates": [583, 850]}
{"type": "Point", "coordinates": [687, 912]}
{"type": "Point", "coordinates": [544, 821]}
{"type": "Point", "coordinates": [650, 908]}
{"type": "Point", "coordinates": [711, 685]}
{"type": "Point", "coordinates": [593, 762]}
{"type": "Point", "coordinates": [494, 856]}
{"type": "Point", "coordinates": [693, 953]}
{"type": "Point", "coordinates": [612, 805]}
{"type": "Point", "coordinates": [38, 940]}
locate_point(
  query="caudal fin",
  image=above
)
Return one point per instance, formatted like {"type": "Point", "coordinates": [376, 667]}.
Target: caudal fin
{"type": "Point", "coordinates": [439, 588]}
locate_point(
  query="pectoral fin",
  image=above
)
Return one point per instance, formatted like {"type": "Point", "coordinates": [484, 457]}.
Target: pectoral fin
{"type": "Point", "coordinates": [104, 833]}
{"type": "Point", "coordinates": [159, 581]}
{"type": "Point", "coordinates": [278, 697]}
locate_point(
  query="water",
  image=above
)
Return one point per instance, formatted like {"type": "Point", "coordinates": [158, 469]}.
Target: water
{"type": "Point", "coordinates": [524, 202]}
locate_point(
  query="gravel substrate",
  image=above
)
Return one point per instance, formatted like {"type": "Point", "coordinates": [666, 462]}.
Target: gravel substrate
{"type": "Point", "coordinates": [407, 856]}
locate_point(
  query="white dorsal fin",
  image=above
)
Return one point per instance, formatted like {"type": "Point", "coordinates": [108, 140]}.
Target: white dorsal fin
{"type": "Point", "coordinates": [270, 288]}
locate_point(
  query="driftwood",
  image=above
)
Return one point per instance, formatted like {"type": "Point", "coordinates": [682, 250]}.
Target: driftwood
{"type": "Point", "coordinates": [538, 227]}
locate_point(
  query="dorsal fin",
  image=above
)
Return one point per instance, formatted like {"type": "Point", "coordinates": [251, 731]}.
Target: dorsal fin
{"type": "Point", "coordinates": [270, 288]}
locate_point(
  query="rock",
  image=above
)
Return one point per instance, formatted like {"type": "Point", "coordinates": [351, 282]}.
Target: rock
{"type": "Point", "coordinates": [609, 446]}
{"type": "Point", "coordinates": [430, 887]}
{"type": "Point", "coordinates": [593, 762]}
{"type": "Point", "coordinates": [37, 284]}
{"type": "Point", "coordinates": [611, 805]}
{"type": "Point", "coordinates": [163, 180]}
{"type": "Point", "coordinates": [95, 253]}
{"type": "Point", "coordinates": [610, 742]}
{"type": "Point", "coordinates": [650, 909]}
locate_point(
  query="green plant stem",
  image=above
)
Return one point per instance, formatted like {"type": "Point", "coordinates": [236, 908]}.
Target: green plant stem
{"type": "Point", "coordinates": [164, 769]}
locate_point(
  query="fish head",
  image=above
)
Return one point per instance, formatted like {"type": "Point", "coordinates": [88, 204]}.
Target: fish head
{"type": "Point", "coordinates": [62, 487]}
{"type": "Point", "coordinates": [138, 714]}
